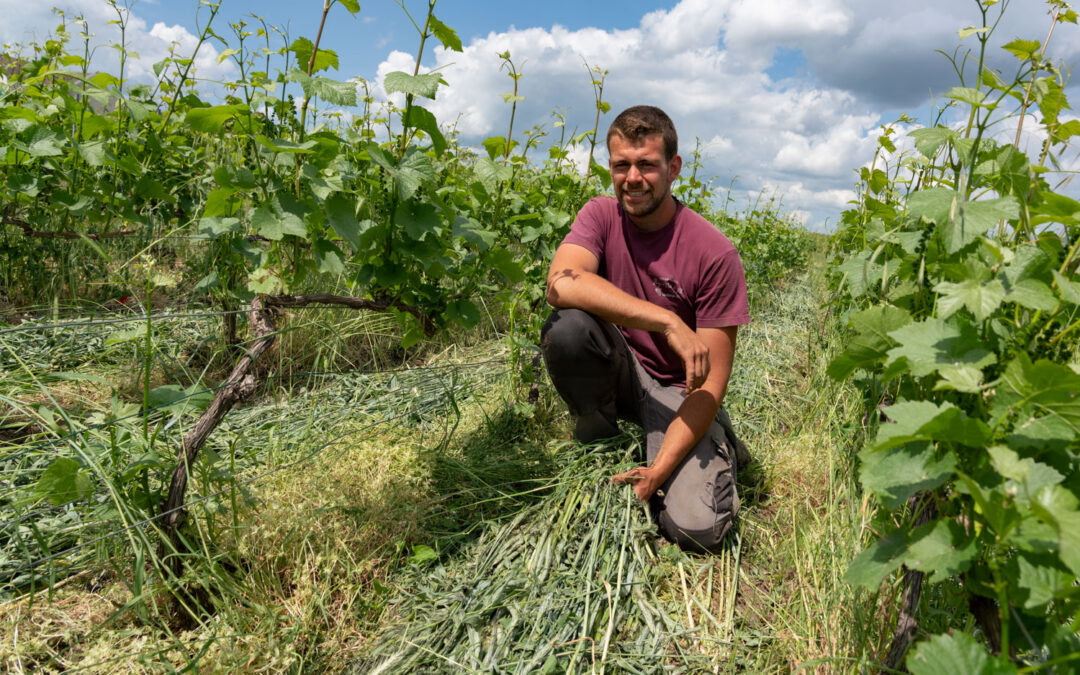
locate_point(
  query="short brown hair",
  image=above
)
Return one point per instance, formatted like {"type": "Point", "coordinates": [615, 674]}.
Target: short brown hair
{"type": "Point", "coordinates": [640, 121]}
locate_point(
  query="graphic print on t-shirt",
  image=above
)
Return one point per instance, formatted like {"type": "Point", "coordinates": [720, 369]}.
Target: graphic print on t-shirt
{"type": "Point", "coordinates": [668, 288]}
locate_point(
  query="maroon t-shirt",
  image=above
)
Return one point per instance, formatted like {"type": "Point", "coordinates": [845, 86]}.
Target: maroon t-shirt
{"type": "Point", "coordinates": [687, 266]}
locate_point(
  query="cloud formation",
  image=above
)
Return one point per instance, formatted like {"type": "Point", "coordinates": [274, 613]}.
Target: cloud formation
{"type": "Point", "coordinates": [706, 63]}
{"type": "Point", "coordinates": [37, 21]}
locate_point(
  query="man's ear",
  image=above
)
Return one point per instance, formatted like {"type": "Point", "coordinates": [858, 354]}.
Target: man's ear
{"type": "Point", "coordinates": [674, 167]}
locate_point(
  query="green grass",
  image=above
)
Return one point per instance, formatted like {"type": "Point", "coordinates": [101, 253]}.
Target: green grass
{"type": "Point", "coordinates": [309, 568]}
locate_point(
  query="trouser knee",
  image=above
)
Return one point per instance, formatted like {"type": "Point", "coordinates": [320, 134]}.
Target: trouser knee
{"type": "Point", "coordinates": [690, 536]}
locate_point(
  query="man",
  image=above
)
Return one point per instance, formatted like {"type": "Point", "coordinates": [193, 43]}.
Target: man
{"type": "Point", "coordinates": [674, 284]}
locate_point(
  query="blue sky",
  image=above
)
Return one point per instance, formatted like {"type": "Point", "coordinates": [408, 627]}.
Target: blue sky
{"type": "Point", "coordinates": [787, 97]}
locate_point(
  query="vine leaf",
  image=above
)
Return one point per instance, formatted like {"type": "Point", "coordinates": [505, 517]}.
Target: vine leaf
{"type": "Point", "coordinates": [424, 85]}
{"type": "Point", "coordinates": [411, 173]}
{"type": "Point", "coordinates": [1043, 388]}
{"type": "Point", "coordinates": [445, 34]}
{"type": "Point", "coordinates": [341, 214]}
{"type": "Point", "coordinates": [64, 481]}
{"type": "Point", "coordinates": [1033, 294]}
{"type": "Point", "coordinates": [981, 299]}
{"type": "Point", "coordinates": [877, 560]}
{"type": "Point", "coordinates": [282, 215]}
{"type": "Point", "coordinates": [925, 421]}
{"type": "Point", "coordinates": [897, 474]}
{"type": "Point", "coordinates": [418, 219]}
{"type": "Point", "coordinates": [941, 549]}
{"type": "Point", "coordinates": [1031, 475]}
{"type": "Point", "coordinates": [860, 272]}
{"type": "Point", "coordinates": [1058, 507]}
{"type": "Point", "coordinates": [974, 219]}
{"type": "Point", "coordinates": [871, 342]}
{"type": "Point", "coordinates": [930, 345]}
{"type": "Point", "coordinates": [324, 59]}
{"type": "Point", "coordinates": [1040, 579]}
{"type": "Point", "coordinates": [955, 653]}
{"type": "Point", "coordinates": [328, 258]}
{"type": "Point", "coordinates": [928, 141]}
{"type": "Point", "coordinates": [423, 119]}
{"type": "Point", "coordinates": [211, 120]}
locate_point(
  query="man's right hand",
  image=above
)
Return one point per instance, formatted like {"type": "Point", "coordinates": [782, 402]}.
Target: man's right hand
{"type": "Point", "coordinates": [693, 352]}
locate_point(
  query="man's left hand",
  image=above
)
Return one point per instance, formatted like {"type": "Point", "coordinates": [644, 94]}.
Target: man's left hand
{"type": "Point", "coordinates": [642, 479]}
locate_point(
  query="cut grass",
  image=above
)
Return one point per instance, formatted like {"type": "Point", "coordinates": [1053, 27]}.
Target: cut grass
{"type": "Point", "coordinates": [306, 577]}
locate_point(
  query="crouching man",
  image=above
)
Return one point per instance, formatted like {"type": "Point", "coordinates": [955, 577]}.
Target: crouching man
{"type": "Point", "coordinates": [649, 297]}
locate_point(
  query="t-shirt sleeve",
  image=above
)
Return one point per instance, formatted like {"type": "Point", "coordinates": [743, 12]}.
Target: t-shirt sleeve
{"type": "Point", "coordinates": [722, 295]}
{"type": "Point", "coordinates": [590, 228]}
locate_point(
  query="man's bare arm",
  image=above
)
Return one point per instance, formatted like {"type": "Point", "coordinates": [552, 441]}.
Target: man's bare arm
{"type": "Point", "coordinates": [573, 282]}
{"type": "Point", "coordinates": [692, 420]}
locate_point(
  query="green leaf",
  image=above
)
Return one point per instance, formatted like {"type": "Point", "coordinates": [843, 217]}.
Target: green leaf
{"type": "Point", "coordinates": [962, 378]}
{"type": "Point", "coordinates": [282, 145]}
{"type": "Point", "coordinates": [897, 474]}
{"type": "Point", "coordinates": [932, 344]}
{"type": "Point", "coordinates": [1039, 578]}
{"type": "Point", "coordinates": [495, 146]}
{"type": "Point", "coordinates": [941, 548]}
{"type": "Point", "coordinates": [264, 281]}
{"type": "Point", "coordinates": [64, 481]}
{"type": "Point", "coordinates": [879, 559]}
{"type": "Point", "coordinates": [860, 272]}
{"type": "Point", "coordinates": [341, 215]}
{"type": "Point", "coordinates": [474, 233]}
{"type": "Point", "coordinates": [929, 141]}
{"type": "Point", "coordinates": [417, 85]}
{"type": "Point", "coordinates": [352, 5]}
{"type": "Point", "coordinates": [935, 204]}
{"type": "Point", "coordinates": [418, 219]}
{"type": "Point", "coordinates": [491, 174]}
{"type": "Point", "coordinates": [503, 261]}
{"type": "Point", "coordinates": [328, 258]}
{"type": "Point", "coordinates": [93, 152]}
{"type": "Point", "coordinates": [1023, 49]}
{"type": "Point", "coordinates": [280, 216]}
{"type": "Point", "coordinates": [423, 555]}
{"type": "Point", "coordinates": [333, 91]}
{"type": "Point", "coordinates": [324, 59]}
{"type": "Point", "coordinates": [971, 30]}
{"type": "Point", "coordinates": [1032, 294]}
{"type": "Point", "coordinates": [1044, 388]}
{"type": "Point", "coordinates": [957, 654]}
{"type": "Point", "coordinates": [973, 97]}
{"type": "Point", "coordinates": [211, 120]}
{"type": "Point", "coordinates": [216, 226]}
{"type": "Point", "coordinates": [421, 118]}
{"type": "Point", "coordinates": [175, 396]}
{"type": "Point", "coordinates": [45, 142]}
{"type": "Point", "coordinates": [1057, 506]}
{"type": "Point", "coordinates": [411, 173]}
{"type": "Point", "coordinates": [871, 342]}
{"type": "Point", "coordinates": [1031, 475]}
{"type": "Point", "coordinates": [981, 299]}
{"type": "Point", "coordinates": [464, 313]}
{"type": "Point", "coordinates": [974, 220]}
{"type": "Point", "coordinates": [445, 34]}
{"type": "Point", "coordinates": [239, 178]}
{"type": "Point", "coordinates": [926, 421]}
{"type": "Point", "coordinates": [1069, 290]}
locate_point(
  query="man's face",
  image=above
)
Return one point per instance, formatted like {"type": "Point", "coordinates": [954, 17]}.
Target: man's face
{"type": "Point", "coordinates": [642, 176]}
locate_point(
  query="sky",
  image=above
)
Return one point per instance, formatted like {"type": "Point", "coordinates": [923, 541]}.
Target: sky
{"type": "Point", "coordinates": [787, 97]}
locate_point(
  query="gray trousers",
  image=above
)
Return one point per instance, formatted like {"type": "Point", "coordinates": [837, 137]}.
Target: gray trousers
{"type": "Point", "coordinates": [601, 380]}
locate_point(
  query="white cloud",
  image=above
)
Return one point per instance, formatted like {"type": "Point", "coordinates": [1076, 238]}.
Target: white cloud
{"type": "Point", "coordinates": [35, 22]}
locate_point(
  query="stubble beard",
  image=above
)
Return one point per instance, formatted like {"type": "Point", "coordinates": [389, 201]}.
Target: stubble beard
{"type": "Point", "coordinates": [642, 210]}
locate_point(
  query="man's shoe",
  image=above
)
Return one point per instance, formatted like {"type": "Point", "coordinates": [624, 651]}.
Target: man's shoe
{"type": "Point", "coordinates": [595, 426]}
